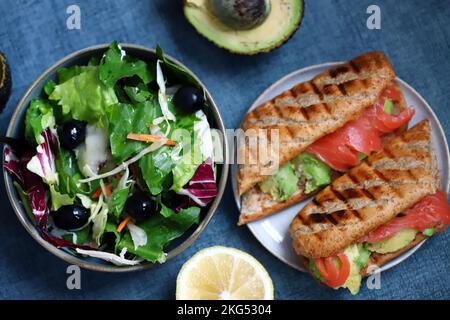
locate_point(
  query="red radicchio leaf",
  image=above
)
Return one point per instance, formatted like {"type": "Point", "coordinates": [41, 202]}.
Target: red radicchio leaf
{"type": "Point", "coordinates": [61, 243]}
{"type": "Point", "coordinates": [31, 183]}
{"type": "Point", "coordinates": [35, 188]}
{"type": "Point", "coordinates": [202, 187]}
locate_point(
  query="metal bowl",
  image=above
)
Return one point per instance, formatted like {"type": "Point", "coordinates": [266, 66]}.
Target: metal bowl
{"type": "Point", "coordinates": [16, 129]}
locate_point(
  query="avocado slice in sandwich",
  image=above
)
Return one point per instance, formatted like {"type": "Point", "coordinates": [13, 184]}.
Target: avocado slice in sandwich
{"type": "Point", "coordinates": [245, 26]}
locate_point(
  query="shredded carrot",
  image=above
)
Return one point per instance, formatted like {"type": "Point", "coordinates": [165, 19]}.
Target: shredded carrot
{"type": "Point", "coordinates": [99, 191]}
{"type": "Point", "coordinates": [108, 189]}
{"type": "Point", "coordinates": [123, 224]}
{"type": "Point", "coordinates": [149, 138]}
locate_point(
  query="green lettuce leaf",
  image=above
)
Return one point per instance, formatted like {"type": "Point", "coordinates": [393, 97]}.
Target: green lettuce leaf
{"type": "Point", "coordinates": [69, 175]}
{"type": "Point", "coordinates": [139, 93]}
{"type": "Point", "coordinates": [79, 237]}
{"type": "Point", "coordinates": [156, 167]}
{"type": "Point", "coordinates": [84, 96]}
{"type": "Point", "coordinates": [59, 199]}
{"type": "Point", "coordinates": [25, 200]}
{"type": "Point", "coordinates": [192, 154]}
{"type": "Point", "coordinates": [160, 231]}
{"type": "Point", "coordinates": [174, 71]}
{"type": "Point", "coordinates": [39, 116]}
{"type": "Point", "coordinates": [116, 65]}
{"type": "Point", "coordinates": [99, 223]}
{"type": "Point", "coordinates": [118, 199]}
{"type": "Point", "coordinates": [49, 87]}
{"type": "Point", "coordinates": [124, 119]}
{"type": "Point", "coordinates": [65, 74]}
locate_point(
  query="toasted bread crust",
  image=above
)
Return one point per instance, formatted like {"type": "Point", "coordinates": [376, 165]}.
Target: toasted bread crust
{"type": "Point", "coordinates": [256, 205]}
{"type": "Point", "coordinates": [313, 109]}
{"type": "Point", "coordinates": [369, 195]}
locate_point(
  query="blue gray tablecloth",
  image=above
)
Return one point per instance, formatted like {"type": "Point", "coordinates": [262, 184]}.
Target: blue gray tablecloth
{"type": "Point", "coordinates": [415, 34]}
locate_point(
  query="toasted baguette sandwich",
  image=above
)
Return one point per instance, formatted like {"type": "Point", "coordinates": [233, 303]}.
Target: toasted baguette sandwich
{"type": "Point", "coordinates": [374, 212]}
{"type": "Point", "coordinates": [308, 117]}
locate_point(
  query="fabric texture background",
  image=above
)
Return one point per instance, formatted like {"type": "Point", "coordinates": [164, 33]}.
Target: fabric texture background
{"type": "Point", "coordinates": [33, 35]}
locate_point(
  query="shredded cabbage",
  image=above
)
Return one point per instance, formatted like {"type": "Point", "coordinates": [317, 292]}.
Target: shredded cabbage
{"type": "Point", "coordinates": [118, 260]}
{"type": "Point", "coordinates": [138, 235]}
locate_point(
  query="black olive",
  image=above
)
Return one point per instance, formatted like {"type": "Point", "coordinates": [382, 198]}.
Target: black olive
{"type": "Point", "coordinates": [5, 82]}
{"type": "Point", "coordinates": [189, 99]}
{"type": "Point", "coordinates": [70, 217]}
{"type": "Point", "coordinates": [72, 133]}
{"type": "Point", "coordinates": [109, 238]}
{"type": "Point", "coordinates": [140, 206]}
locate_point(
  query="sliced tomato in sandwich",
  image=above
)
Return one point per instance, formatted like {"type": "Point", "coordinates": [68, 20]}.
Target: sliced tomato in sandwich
{"type": "Point", "coordinates": [340, 149]}
{"type": "Point", "coordinates": [334, 270]}
{"type": "Point", "coordinates": [432, 211]}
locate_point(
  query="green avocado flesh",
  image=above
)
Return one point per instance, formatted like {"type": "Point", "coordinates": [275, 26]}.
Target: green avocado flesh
{"type": "Point", "coordinates": [315, 172]}
{"type": "Point", "coordinates": [305, 167]}
{"type": "Point", "coordinates": [394, 243]}
{"type": "Point", "coordinates": [388, 106]}
{"type": "Point", "coordinates": [282, 184]}
{"type": "Point", "coordinates": [280, 23]}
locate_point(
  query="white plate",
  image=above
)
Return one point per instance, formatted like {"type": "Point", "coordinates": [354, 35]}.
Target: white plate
{"type": "Point", "coordinates": [272, 231]}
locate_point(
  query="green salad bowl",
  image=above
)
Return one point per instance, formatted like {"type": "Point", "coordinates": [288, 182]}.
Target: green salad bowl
{"type": "Point", "coordinates": [16, 130]}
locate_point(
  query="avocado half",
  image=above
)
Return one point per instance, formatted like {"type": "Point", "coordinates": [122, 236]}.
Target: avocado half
{"type": "Point", "coordinates": [5, 81]}
{"type": "Point", "coordinates": [280, 24]}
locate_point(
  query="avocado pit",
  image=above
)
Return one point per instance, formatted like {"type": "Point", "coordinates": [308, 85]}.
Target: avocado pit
{"type": "Point", "coordinates": [240, 14]}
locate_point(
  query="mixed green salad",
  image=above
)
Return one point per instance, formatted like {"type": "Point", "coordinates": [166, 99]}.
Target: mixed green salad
{"type": "Point", "coordinates": [120, 159]}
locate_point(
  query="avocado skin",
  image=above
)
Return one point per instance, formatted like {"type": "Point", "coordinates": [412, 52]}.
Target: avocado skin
{"type": "Point", "coordinates": [5, 82]}
{"type": "Point", "coordinates": [265, 50]}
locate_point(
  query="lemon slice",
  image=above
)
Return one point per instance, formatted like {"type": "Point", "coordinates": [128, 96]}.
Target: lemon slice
{"type": "Point", "coordinates": [220, 273]}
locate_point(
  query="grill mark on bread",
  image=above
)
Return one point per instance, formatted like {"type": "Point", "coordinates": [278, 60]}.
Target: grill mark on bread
{"type": "Point", "coordinates": [352, 178]}
{"type": "Point", "coordinates": [302, 219]}
{"type": "Point", "coordinates": [340, 213]}
{"type": "Point", "coordinates": [337, 194]}
{"type": "Point", "coordinates": [386, 181]}
{"type": "Point", "coordinates": [317, 90]}
{"type": "Point", "coordinates": [388, 153]}
{"type": "Point", "coordinates": [327, 108]}
{"type": "Point", "coordinates": [317, 203]}
{"type": "Point", "coordinates": [317, 217]}
{"type": "Point", "coordinates": [356, 214]}
{"type": "Point", "coordinates": [354, 66]}
{"type": "Point", "coordinates": [338, 71]}
{"type": "Point", "coordinates": [411, 174]}
{"type": "Point", "coordinates": [341, 87]}
{"type": "Point", "coordinates": [331, 219]}
{"type": "Point", "coordinates": [365, 192]}
{"type": "Point", "coordinates": [304, 113]}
